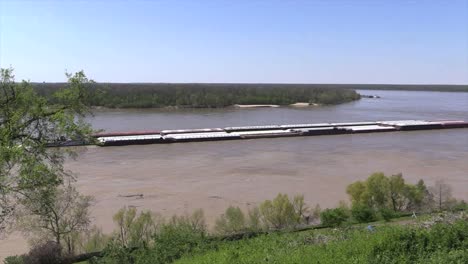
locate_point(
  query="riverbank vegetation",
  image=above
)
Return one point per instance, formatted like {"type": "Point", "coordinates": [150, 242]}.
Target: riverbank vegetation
{"type": "Point", "coordinates": [131, 95]}
{"type": "Point", "coordinates": [409, 223]}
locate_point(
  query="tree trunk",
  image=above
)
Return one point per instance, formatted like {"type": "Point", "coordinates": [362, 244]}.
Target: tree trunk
{"type": "Point", "coordinates": [440, 198]}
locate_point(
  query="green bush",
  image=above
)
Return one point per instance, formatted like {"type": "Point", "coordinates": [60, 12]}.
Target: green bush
{"type": "Point", "coordinates": [172, 242]}
{"type": "Point", "coordinates": [279, 213]}
{"type": "Point", "coordinates": [45, 252]}
{"type": "Point", "coordinates": [387, 214]}
{"type": "Point", "coordinates": [254, 223]}
{"type": "Point", "coordinates": [231, 222]}
{"type": "Point", "coordinates": [362, 213]}
{"type": "Point", "coordinates": [14, 260]}
{"type": "Point", "coordinates": [93, 240]}
{"type": "Point", "coordinates": [334, 217]}
{"type": "Point", "coordinates": [182, 235]}
{"type": "Point", "coordinates": [460, 206]}
{"type": "Point", "coordinates": [179, 236]}
{"type": "Point", "coordinates": [134, 229]}
{"type": "Point", "coordinates": [115, 253]}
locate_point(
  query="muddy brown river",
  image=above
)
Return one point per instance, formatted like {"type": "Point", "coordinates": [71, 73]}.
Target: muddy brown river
{"type": "Point", "coordinates": [179, 178]}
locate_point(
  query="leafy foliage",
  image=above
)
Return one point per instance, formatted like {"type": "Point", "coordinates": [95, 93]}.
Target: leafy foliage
{"type": "Point", "coordinates": [169, 241]}
{"type": "Point", "coordinates": [135, 230]}
{"type": "Point", "coordinates": [363, 213]}
{"type": "Point", "coordinates": [281, 212]}
{"type": "Point", "coordinates": [380, 192]}
{"type": "Point", "coordinates": [231, 222]}
{"type": "Point", "coordinates": [386, 214]}
{"type": "Point", "coordinates": [92, 240]}
{"type": "Point", "coordinates": [334, 217]}
{"type": "Point", "coordinates": [28, 122]}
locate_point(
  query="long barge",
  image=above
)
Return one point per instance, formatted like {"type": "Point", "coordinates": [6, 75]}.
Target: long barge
{"type": "Point", "coordinates": [269, 131]}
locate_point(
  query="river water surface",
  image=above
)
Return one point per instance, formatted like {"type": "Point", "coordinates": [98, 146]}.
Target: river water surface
{"type": "Point", "coordinates": [179, 178]}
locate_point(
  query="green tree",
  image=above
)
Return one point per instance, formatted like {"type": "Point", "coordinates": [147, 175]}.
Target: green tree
{"type": "Point", "coordinates": [397, 190]}
{"type": "Point", "coordinates": [28, 122]}
{"type": "Point", "coordinates": [378, 187]}
{"type": "Point", "coordinates": [418, 197]}
{"type": "Point", "coordinates": [442, 193]}
{"type": "Point", "coordinates": [357, 192]}
{"type": "Point", "coordinates": [279, 213]}
{"type": "Point", "coordinates": [135, 229]}
{"type": "Point", "coordinates": [301, 208]}
{"type": "Point", "coordinates": [380, 191]}
{"type": "Point", "coordinates": [254, 221]}
{"type": "Point", "coordinates": [231, 222]}
{"type": "Point", "coordinates": [93, 240]}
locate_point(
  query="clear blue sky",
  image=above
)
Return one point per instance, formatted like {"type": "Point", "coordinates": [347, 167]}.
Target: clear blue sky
{"type": "Point", "coordinates": [333, 41]}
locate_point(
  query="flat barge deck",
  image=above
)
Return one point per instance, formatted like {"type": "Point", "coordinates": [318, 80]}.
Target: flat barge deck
{"type": "Point", "coordinates": [269, 131]}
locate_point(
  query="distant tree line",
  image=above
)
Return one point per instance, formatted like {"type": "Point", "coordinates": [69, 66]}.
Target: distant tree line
{"type": "Point", "coordinates": [116, 95]}
{"type": "Point", "coordinates": [404, 87]}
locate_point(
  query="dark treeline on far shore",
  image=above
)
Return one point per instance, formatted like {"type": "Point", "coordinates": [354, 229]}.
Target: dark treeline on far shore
{"type": "Point", "coordinates": [133, 95]}
{"type": "Point", "coordinates": [200, 95]}
{"type": "Point", "coordinates": [404, 87]}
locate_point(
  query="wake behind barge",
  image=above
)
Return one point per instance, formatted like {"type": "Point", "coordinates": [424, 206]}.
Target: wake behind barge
{"type": "Point", "coordinates": [268, 131]}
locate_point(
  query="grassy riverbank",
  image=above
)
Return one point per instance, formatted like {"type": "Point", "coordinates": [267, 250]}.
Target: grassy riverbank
{"type": "Point", "coordinates": [126, 95]}
{"type": "Point", "coordinates": [389, 243]}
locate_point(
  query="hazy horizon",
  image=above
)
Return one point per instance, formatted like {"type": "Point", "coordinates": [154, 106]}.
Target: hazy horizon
{"type": "Point", "coordinates": [387, 84]}
{"type": "Point", "coordinates": [308, 42]}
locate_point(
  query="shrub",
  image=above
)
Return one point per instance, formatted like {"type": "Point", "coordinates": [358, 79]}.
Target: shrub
{"type": "Point", "coordinates": [231, 222]}
{"type": "Point", "coordinates": [48, 252]}
{"type": "Point", "coordinates": [254, 223]}
{"type": "Point", "coordinates": [381, 191]}
{"type": "Point", "coordinates": [115, 253]}
{"type": "Point", "coordinates": [134, 229]}
{"type": "Point", "coordinates": [93, 240]}
{"type": "Point", "coordinates": [334, 217]}
{"type": "Point", "coordinates": [172, 239]}
{"type": "Point", "coordinates": [14, 260]}
{"type": "Point", "coordinates": [180, 236]}
{"type": "Point", "coordinates": [279, 213]}
{"type": "Point", "coordinates": [301, 208]}
{"type": "Point", "coordinates": [363, 213]}
{"type": "Point", "coordinates": [460, 206]}
{"type": "Point", "coordinates": [387, 214]}
{"type": "Point", "coordinates": [314, 216]}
